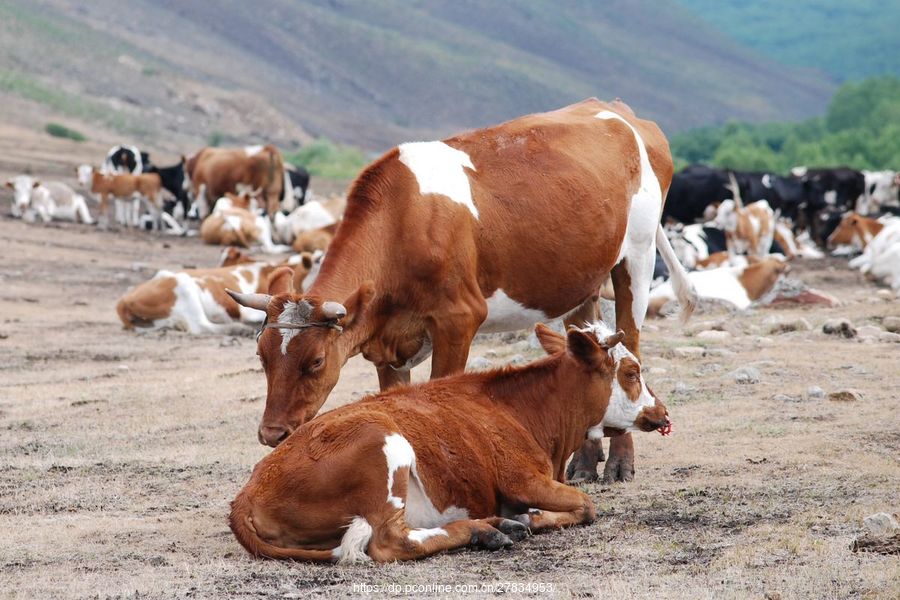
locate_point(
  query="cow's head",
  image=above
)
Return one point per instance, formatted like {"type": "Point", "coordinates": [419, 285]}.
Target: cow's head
{"type": "Point", "coordinates": [631, 405]}
{"type": "Point", "coordinates": [847, 232]}
{"type": "Point", "coordinates": [22, 185]}
{"type": "Point", "coordinates": [302, 345]}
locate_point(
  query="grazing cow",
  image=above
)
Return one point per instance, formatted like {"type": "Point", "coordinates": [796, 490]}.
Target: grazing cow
{"type": "Point", "coordinates": [235, 223]}
{"type": "Point", "coordinates": [418, 470]}
{"type": "Point", "coordinates": [740, 284]}
{"type": "Point", "coordinates": [438, 242]}
{"type": "Point", "coordinates": [195, 300]}
{"type": "Point", "coordinates": [50, 200]}
{"type": "Point", "coordinates": [126, 159]}
{"type": "Point", "coordinates": [882, 192]}
{"type": "Point", "coordinates": [748, 229]}
{"type": "Point", "coordinates": [123, 186]}
{"type": "Point", "coordinates": [214, 171]}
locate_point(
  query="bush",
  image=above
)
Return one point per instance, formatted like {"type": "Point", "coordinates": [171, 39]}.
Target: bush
{"type": "Point", "coordinates": [324, 158]}
{"type": "Point", "coordinates": [215, 138]}
{"type": "Point", "coordinates": [61, 131]}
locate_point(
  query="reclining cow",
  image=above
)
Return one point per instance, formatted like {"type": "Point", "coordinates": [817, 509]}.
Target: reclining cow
{"type": "Point", "coordinates": [441, 240]}
{"type": "Point", "coordinates": [49, 201]}
{"type": "Point", "coordinates": [235, 222]}
{"type": "Point", "coordinates": [195, 300]}
{"type": "Point", "coordinates": [880, 258]}
{"type": "Point", "coordinates": [418, 470]}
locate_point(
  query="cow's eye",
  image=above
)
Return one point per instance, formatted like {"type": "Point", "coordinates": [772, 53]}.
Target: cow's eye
{"type": "Point", "coordinates": [633, 377]}
{"type": "Point", "coordinates": [316, 364]}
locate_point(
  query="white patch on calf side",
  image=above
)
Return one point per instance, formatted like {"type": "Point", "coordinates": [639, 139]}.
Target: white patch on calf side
{"type": "Point", "coordinates": [440, 169]}
{"type": "Point", "coordinates": [399, 454]}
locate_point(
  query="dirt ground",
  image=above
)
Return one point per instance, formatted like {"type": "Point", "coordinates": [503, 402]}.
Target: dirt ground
{"type": "Point", "coordinates": [121, 452]}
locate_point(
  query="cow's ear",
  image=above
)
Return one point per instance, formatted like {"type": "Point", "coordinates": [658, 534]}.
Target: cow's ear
{"type": "Point", "coordinates": [10, 185]}
{"type": "Point", "coordinates": [551, 341]}
{"type": "Point", "coordinates": [306, 259]}
{"type": "Point", "coordinates": [584, 346]}
{"type": "Point", "coordinates": [35, 184]}
{"type": "Point", "coordinates": [358, 302]}
{"type": "Point", "coordinates": [280, 282]}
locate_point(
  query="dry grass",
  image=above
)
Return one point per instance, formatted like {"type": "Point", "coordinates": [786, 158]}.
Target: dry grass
{"type": "Point", "coordinates": [119, 453]}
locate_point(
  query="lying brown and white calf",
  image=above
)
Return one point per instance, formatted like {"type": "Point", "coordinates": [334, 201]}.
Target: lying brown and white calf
{"type": "Point", "coordinates": [417, 470]}
{"type": "Point", "coordinates": [235, 222]}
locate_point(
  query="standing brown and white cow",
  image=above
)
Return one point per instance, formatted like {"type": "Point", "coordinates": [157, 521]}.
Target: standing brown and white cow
{"type": "Point", "coordinates": [491, 230]}
{"type": "Point", "coordinates": [214, 171]}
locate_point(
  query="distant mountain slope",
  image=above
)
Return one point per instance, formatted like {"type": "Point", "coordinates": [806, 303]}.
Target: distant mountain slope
{"type": "Point", "coordinates": [376, 73]}
{"type": "Point", "coordinates": [851, 39]}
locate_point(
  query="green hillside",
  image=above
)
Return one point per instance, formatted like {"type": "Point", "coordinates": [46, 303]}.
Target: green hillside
{"type": "Point", "coordinates": [861, 129]}
{"type": "Point", "coordinates": [850, 39]}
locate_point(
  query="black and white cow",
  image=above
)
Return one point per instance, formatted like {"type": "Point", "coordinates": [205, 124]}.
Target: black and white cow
{"type": "Point", "coordinates": [693, 190]}
{"type": "Point", "coordinates": [172, 179]}
{"type": "Point", "coordinates": [298, 179]}
{"type": "Point", "coordinates": [126, 159]}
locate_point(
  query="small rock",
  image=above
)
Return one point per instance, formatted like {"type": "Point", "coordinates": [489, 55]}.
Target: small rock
{"type": "Point", "coordinates": [772, 595]}
{"type": "Point", "coordinates": [845, 396]}
{"type": "Point", "coordinates": [517, 359]}
{"type": "Point", "coordinates": [892, 324]}
{"type": "Point", "coordinates": [490, 354]}
{"type": "Point", "coordinates": [681, 388]}
{"type": "Point", "coordinates": [656, 371]}
{"type": "Point", "coordinates": [785, 398]}
{"type": "Point", "coordinates": [719, 352]}
{"type": "Point", "coordinates": [886, 336]}
{"type": "Point", "coordinates": [815, 392]}
{"type": "Point", "coordinates": [700, 326]}
{"type": "Point", "coordinates": [713, 334]}
{"type": "Point", "coordinates": [746, 375]}
{"type": "Point", "coordinates": [881, 524]}
{"type": "Point", "coordinates": [479, 364]}
{"type": "Point", "coordinates": [764, 341]}
{"type": "Point", "coordinates": [799, 324]}
{"type": "Point", "coordinates": [869, 331]}
{"type": "Point", "coordinates": [123, 367]}
{"type": "Point", "coordinates": [885, 294]}
{"type": "Point", "coordinates": [841, 327]}
{"type": "Point", "coordinates": [689, 351]}
{"type": "Point", "coordinates": [139, 266]}
{"type": "Point", "coordinates": [764, 363]}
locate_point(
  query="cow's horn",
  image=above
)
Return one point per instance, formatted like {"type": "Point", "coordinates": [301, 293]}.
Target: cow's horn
{"type": "Point", "coordinates": [613, 339]}
{"type": "Point", "coordinates": [257, 301]}
{"type": "Point", "coordinates": [333, 311]}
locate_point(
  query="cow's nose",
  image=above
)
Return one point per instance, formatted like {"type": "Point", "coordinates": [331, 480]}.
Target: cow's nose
{"type": "Point", "coordinates": [272, 436]}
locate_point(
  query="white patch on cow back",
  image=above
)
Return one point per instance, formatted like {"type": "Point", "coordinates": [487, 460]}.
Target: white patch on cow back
{"type": "Point", "coordinates": [253, 150]}
{"type": "Point", "coordinates": [639, 245]}
{"type": "Point", "coordinates": [440, 169]}
{"type": "Point", "coordinates": [506, 314]}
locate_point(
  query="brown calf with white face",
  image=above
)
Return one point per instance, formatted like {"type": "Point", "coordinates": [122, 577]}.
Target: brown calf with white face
{"type": "Point", "coordinates": [855, 230]}
{"type": "Point", "coordinates": [491, 230]}
{"type": "Point", "coordinates": [418, 470]}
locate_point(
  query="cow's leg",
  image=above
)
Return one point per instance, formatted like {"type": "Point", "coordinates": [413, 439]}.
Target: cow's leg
{"type": "Point", "coordinates": [388, 376]}
{"type": "Point", "coordinates": [620, 463]}
{"type": "Point", "coordinates": [583, 465]}
{"type": "Point", "coordinates": [392, 538]}
{"type": "Point", "coordinates": [81, 209]}
{"type": "Point", "coordinates": [452, 331]}
{"type": "Point", "coordinates": [552, 505]}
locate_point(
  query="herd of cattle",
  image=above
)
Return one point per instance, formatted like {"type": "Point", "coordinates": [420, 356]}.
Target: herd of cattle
{"type": "Point", "coordinates": [493, 230]}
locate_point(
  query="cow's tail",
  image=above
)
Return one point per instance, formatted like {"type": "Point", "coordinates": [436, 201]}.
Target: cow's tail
{"type": "Point", "coordinates": [681, 284]}
{"type": "Point", "coordinates": [125, 315]}
{"type": "Point", "coordinates": [736, 190]}
{"type": "Point", "coordinates": [241, 522]}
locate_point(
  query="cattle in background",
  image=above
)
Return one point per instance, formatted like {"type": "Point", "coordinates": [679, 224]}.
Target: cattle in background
{"type": "Point", "coordinates": [740, 285]}
{"type": "Point", "coordinates": [837, 188]}
{"type": "Point", "coordinates": [419, 470]}
{"type": "Point", "coordinates": [881, 257]}
{"type": "Point", "coordinates": [124, 188]}
{"type": "Point", "coordinates": [857, 231]}
{"type": "Point", "coordinates": [882, 192]}
{"type": "Point", "coordinates": [172, 180]}
{"type": "Point", "coordinates": [195, 300]}
{"type": "Point", "coordinates": [438, 242]}
{"type": "Point", "coordinates": [694, 190]}
{"type": "Point", "coordinates": [311, 217]}
{"type": "Point", "coordinates": [296, 183]}
{"type": "Point", "coordinates": [214, 171]}
{"type": "Point", "coordinates": [126, 159]}
{"type": "Point", "coordinates": [49, 201]}
{"type": "Point", "coordinates": [748, 229]}
{"type": "Point", "coordinates": [235, 222]}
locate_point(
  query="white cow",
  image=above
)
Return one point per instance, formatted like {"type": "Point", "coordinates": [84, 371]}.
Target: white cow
{"type": "Point", "coordinates": [49, 201]}
{"type": "Point", "coordinates": [881, 257]}
{"type": "Point", "coordinates": [882, 189]}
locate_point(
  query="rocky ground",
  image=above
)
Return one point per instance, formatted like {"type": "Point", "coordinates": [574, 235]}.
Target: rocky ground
{"type": "Point", "coordinates": [120, 452]}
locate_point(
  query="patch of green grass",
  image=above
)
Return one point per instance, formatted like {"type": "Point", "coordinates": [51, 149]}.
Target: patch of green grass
{"type": "Point", "coordinates": [323, 158]}
{"type": "Point", "coordinates": [61, 131]}
{"type": "Point", "coordinates": [215, 138]}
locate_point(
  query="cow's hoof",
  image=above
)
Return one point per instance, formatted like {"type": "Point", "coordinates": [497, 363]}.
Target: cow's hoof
{"type": "Point", "coordinates": [517, 530]}
{"type": "Point", "coordinates": [491, 539]}
{"type": "Point", "coordinates": [574, 475]}
{"type": "Point", "coordinates": [618, 470]}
